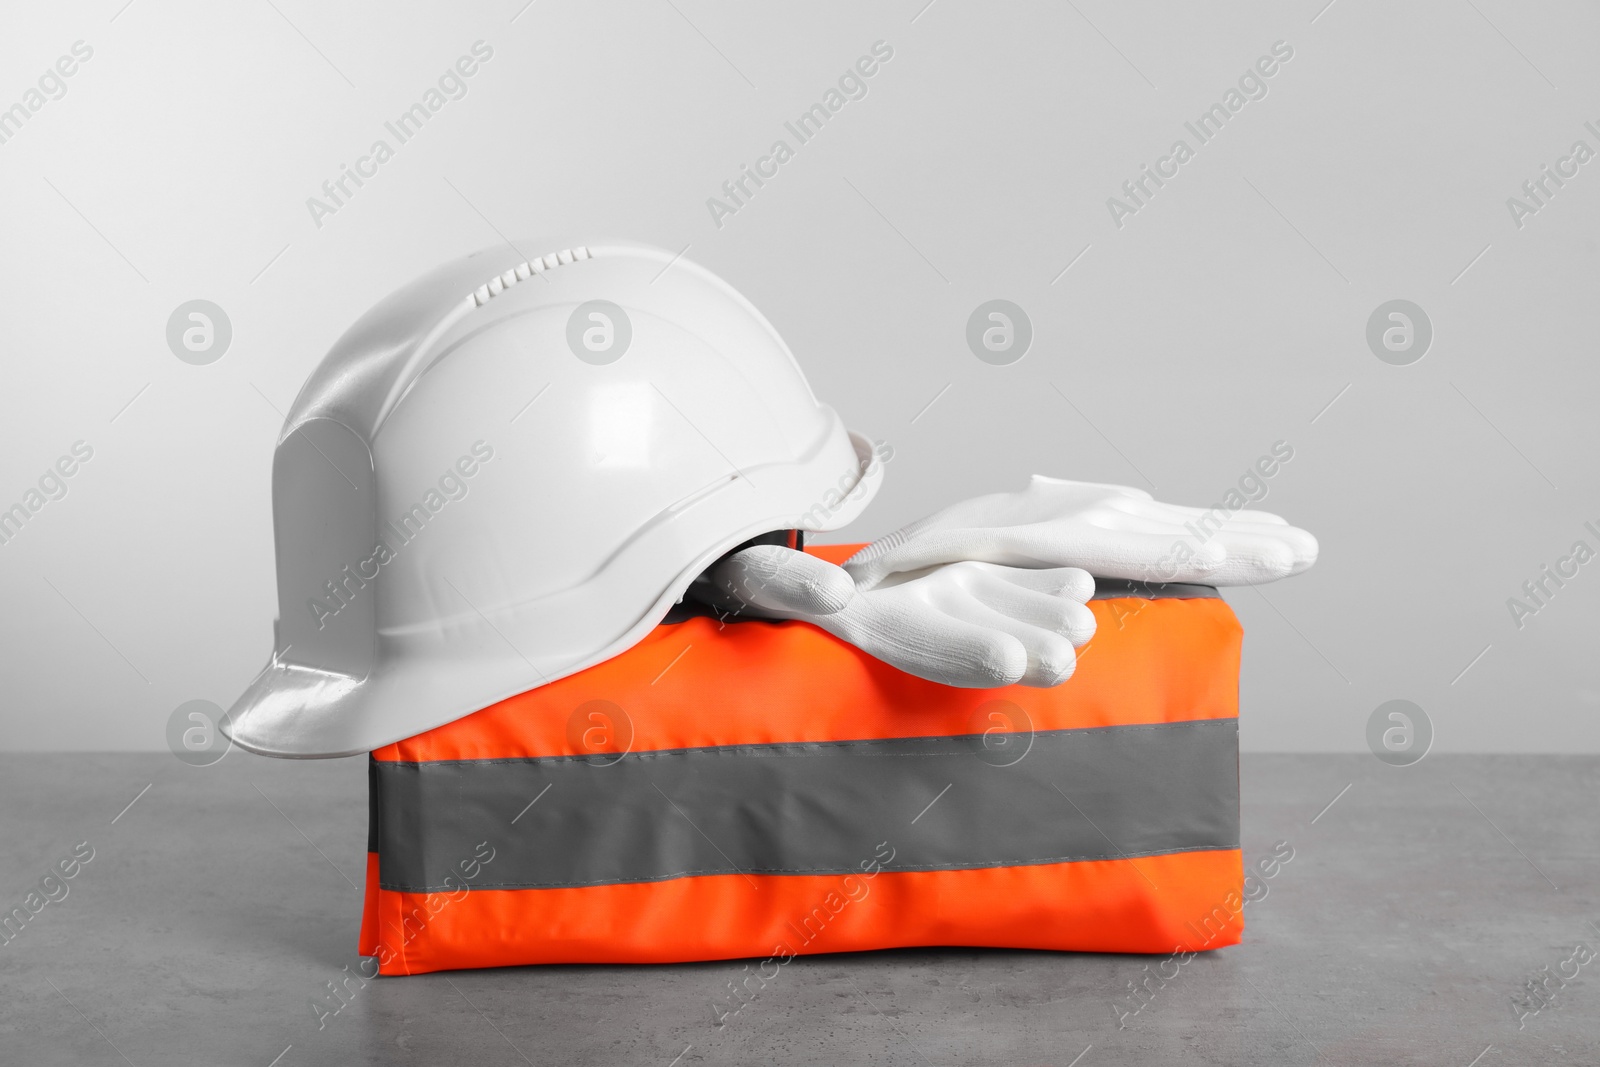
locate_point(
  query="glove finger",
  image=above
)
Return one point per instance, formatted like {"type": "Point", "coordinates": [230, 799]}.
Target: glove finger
{"type": "Point", "coordinates": [1264, 517]}
{"type": "Point", "coordinates": [1141, 556]}
{"type": "Point", "coordinates": [775, 579]}
{"type": "Point", "coordinates": [1182, 513]}
{"type": "Point", "coordinates": [1153, 510]}
{"type": "Point", "coordinates": [1255, 520]}
{"type": "Point", "coordinates": [1039, 546]}
{"type": "Point", "coordinates": [916, 636]}
{"type": "Point", "coordinates": [1305, 563]}
{"type": "Point", "coordinates": [944, 537]}
{"type": "Point", "coordinates": [1069, 583]}
{"type": "Point", "coordinates": [1138, 516]}
{"type": "Point", "coordinates": [1255, 558]}
{"type": "Point", "coordinates": [1166, 553]}
{"type": "Point", "coordinates": [992, 587]}
{"type": "Point", "coordinates": [1302, 544]}
{"type": "Point", "coordinates": [1247, 537]}
{"type": "Point", "coordinates": [1051, 659]}
{"type": "Point", "coordinates": [1267, 529]}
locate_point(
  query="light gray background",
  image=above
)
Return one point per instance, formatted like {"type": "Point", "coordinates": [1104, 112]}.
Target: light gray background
{"type": "Point", "coordinates": [1223, 317]}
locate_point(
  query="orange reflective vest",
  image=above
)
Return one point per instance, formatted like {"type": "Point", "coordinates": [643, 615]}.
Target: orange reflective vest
{"type": "Point", "coordinates": [762, 789]}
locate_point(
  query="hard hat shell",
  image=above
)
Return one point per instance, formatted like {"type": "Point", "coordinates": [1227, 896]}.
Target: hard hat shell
{"type": "Point", "coordinates": [474, 495]}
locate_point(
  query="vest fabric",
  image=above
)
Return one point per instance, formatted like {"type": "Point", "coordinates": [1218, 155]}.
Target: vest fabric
{"type": "Point", "coordinates": [727, 790]}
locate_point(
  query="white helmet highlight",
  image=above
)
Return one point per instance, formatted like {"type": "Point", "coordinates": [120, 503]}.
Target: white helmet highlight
{"type": "Point", "coordinates": [509, 470]}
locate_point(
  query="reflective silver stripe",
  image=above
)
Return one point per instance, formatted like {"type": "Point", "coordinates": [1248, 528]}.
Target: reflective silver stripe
{"type": "Point", "coordinates": [1115, 588]}
{"type": "Point", "coordinates": [372, 804]}
{"type": "Point", "coordinates": [942, 803]}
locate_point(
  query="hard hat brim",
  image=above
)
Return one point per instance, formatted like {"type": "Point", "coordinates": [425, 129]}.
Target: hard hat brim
{"type": "Point", "coordinates": [299, 712]}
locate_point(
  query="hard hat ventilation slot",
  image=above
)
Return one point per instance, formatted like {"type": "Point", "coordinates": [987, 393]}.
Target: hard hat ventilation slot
{"type": "Point", "coordinates": [523, 271]}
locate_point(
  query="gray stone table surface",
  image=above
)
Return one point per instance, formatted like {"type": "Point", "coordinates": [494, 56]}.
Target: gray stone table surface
{"type": "Point", "coordinates": [1419, 902]}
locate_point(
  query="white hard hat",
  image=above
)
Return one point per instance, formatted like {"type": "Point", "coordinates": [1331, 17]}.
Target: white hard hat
{"type": "Point", "coordinates": [509, 470]}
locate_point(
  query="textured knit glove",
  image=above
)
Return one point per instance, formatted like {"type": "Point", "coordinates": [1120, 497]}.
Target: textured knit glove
{"type": "Point", "coordinates": [973, 625]}
{"type": "Point", "coordinates": [1109, 530]}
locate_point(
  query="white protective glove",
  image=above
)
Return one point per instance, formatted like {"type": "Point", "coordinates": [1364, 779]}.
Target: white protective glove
{"type": "Point", "coordinates": [973, 625]}
{"type": "Point", "coordinates": [1112, 531]}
